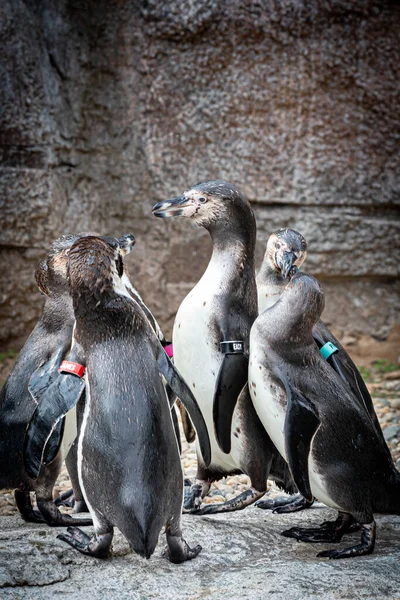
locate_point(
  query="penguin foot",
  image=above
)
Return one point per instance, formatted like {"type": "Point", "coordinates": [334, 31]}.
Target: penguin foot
{"type": "Point", "coordinates": [65, 499]}
{"type": "Point", "coordinates": [68, 499]}
{"type": "Point", "coordinates": [282, 505]}
{"type": "Point", "coordinates": [26, 510]}
{"type": "Point", "coordinates": [328, 532]}
{"type": "Point", "coordinates": [244, 499]}
{"type": "Point", "coordinates": [54, 518]}
{"type": "Point", "coordinates": [178, 550]}
{"type": "Point", "coordinates": [97, 545]}
{"type": "Point", "coordinates": [34, 516]}
{"type": "Point", "coordinates": [368, 536]}
{"type": "Point", "coordinates": [192, 497]}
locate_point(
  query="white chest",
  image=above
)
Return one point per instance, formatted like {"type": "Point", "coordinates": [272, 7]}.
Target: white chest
{"type": "Point", "coordinates": [197, 355]}
{"type": "Point", "coordinates": [267, 297]}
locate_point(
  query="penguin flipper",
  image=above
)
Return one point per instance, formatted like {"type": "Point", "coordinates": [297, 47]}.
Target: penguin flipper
{"type": "Point", "coordinates": [44, 376]}
{"type": "Point", "coordinates": [44, 433]}
{"type": "Point", "coordinates": [181, 389]}
{"type": "Point", "coordinates": [232, 378]}
{"type": "Point", "coordinates": [348, 372]}
{"type": "Point", "coordinates": [301, 423]}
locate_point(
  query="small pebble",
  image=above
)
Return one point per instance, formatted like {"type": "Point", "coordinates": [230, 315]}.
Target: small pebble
{"type": "Point", "coordinates": [391, 432]}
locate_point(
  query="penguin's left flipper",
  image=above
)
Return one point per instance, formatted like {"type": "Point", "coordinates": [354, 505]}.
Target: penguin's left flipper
{"type": "Point", "coordinates": [348, 372]}
{"type": "Point", "coordinates": [232, 378]}
{"type": "Point", "coordinates": [181, 389]}
{"type": "Point", "coordinates": [301, 423]}
{"type": "Point", "coordinates": [46, 425]}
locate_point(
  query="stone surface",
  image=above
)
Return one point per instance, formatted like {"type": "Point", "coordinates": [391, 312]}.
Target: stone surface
{"type": "Point", "coordinates": [108, 107]}
{"type": "Point", "coordinates": [243, 557]}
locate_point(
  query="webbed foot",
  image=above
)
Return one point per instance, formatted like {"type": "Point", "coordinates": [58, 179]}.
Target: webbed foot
{"type": "Point", "coordinates": [55, 518]}
{"type": "Point", "coordinates": [97, 545]}
{"type": "Point", "coordinates": [244, 499]}
{"type": "Point", "coordinates": [68, 499]}
{"type": "Point", "coordinates": [283, 505]}
{"type": "Point", "coordinates": [328, 532]}
{"type": "Point", "coordinates": [178, 550]}
{"type": "Point", "coordinates": [367, 545]}
{"type": "Point", "coordinates": [192, 497]}
{"type": "Point", "coordinates": [65, 499]}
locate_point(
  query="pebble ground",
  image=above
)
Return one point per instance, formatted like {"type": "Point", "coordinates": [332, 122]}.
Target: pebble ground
{"type": "Point", "coordinates": [384, 387]}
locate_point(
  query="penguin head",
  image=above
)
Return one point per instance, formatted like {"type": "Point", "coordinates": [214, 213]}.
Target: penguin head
{"type": "Point", "coordinates": [51, 274]}
{"type": "Point", "coordinates": [207, 203]}
{"type": "Point", "coordinates": [286, 251]}
{"type": "Point", "coordinates": [95, 265]}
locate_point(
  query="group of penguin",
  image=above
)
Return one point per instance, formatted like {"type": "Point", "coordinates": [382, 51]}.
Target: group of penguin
{"type": "Point", "coordinates": [268, 389]}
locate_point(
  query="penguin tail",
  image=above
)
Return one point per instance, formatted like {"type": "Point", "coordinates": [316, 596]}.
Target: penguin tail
{"type": "Point", "coordinates": [142, 539]}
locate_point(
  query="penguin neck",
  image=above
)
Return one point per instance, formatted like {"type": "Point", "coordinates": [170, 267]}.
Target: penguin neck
{"type": "Point", "coordinates": [233, 248]}
{"type": "Point", "coordinates": [270, 285]}
{"type": "Point", "coordinates": [57, 311]}
{"type": "Point", "coordinates": [269, 276]}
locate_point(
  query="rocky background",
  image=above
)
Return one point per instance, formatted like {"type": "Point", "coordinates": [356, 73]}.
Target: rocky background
{"type": "Point", "coordinates": [109, 106]}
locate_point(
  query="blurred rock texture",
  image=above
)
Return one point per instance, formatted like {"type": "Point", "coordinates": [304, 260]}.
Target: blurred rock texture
{"type": "Point", "coordinates": [108, 106]}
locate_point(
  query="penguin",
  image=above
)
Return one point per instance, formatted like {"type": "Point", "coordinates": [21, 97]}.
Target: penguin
{"type": "Point", "coordinates": [211, 345]}
{"type": "Point", "coordinates": [44, 349]}
{"type": "Point", "coordinates": [285, 253]}
{"type": "Point", "coordinates": [329, 440]}
{"type": "Point", "coordinates": [128, 459]}
{"type": "Point", "coordinates": [46, 429]}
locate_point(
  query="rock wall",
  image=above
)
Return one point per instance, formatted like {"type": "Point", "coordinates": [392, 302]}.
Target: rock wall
{"type": "Point", "coordinates": [109, 106]}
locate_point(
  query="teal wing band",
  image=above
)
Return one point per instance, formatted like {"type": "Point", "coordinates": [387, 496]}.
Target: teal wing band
{"type": "Point", "coordinates": [328, 349]}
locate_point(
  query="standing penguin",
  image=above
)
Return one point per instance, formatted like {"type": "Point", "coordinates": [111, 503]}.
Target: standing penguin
{"type": "Point", "coordinates": [44, 350]}
{"type": "Point", "coordinates": [210, 339]}
{"type": "Point", "coordinates": [285, 253]}
{"type": "Point", "coordinates": [128, 459]}
{"type": "Point", "coordinates": [329, 440]}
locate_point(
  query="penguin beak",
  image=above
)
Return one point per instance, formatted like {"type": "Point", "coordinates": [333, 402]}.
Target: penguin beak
{"type": "Point", "coordinates": [285, 263]}
{"type": "Point", "coordinates": [177, 207]}
{"type": "Point", "coordinates": [126, 243]}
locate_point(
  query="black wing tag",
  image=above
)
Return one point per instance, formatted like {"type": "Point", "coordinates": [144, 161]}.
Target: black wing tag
{"type": "Point", "coordinates": [44, 426]}
{"type": "Point", "coordinates": [301, 423]}
{"type": "Point", "coordinates": [44, 376]}
{"type": "Point", "coordinates": [181, 389]}
{"type": "Point", "coordinates": [58, 393]}
{"type": "Point", "coordinates": [232, 377]}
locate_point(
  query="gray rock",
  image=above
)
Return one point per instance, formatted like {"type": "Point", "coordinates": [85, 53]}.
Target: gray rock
{"type": "Point", "coordinates": [110, 107]}
{"type": "Point", "coordinates": [391, 432]}
{"type": "Point", "coordinates": [243, 557]}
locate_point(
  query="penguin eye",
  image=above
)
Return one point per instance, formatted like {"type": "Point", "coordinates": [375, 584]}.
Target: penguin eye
{"type": "Point", "coordinates": [67, 251]}
{"type": "Point", "coordinates": [277, 246]}
{"type": "Point", "coordinates": [202, 200]}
